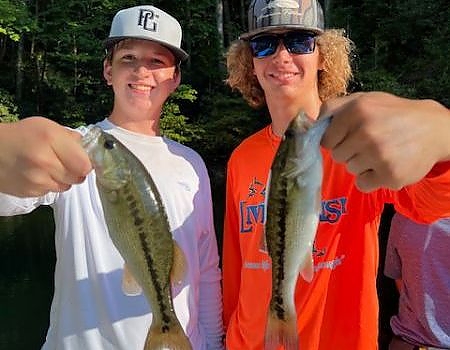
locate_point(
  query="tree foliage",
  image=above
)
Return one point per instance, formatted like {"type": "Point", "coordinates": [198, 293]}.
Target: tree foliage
{"type": "Point", "coordinates": [403, 45]}
{"type": "Point", "coordinates": [51, 61]}
{"type": "Point", "coordinates": [8, 110]}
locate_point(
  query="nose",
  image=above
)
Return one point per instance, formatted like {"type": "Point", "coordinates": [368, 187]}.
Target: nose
{"type": "Point", "coordinates": [281, 54]}
{"type": "Point", "coordinates": [142, 66]}
{"type": "Point", "coordinates": [144, 69]}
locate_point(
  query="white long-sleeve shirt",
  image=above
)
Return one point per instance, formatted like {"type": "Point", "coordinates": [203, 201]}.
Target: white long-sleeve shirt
{"type": "Point", "coordinates": [89, 311]}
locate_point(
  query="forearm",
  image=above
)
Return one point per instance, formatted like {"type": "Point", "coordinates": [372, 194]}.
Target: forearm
{"type": "Point", "coordinates": [7, 156]}
{"type": "Point", "coordinates": [231, 254]}
{"type": "Point", "coordinates": [439, 115]}
{"type": "Point", "coordinates": [210, 313]}
{"type": "Point", "coordinates": [11, 205]}
{"type": "Point", "coordinates": [427, 200]}
{"type": "Point", "coordinates": [210, 293]}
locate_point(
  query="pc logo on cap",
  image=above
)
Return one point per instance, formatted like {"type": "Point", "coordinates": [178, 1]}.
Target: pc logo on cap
{"type": "Point", "coordinates": [149, 23]}
{"type": "Point", "coordinates": [267, 15]}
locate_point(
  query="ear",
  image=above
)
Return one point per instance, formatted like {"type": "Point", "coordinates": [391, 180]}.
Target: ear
{"type": "Point", "coordinates": [107, 71]}
{"type": "Point", "coordinates": [176, 80]}
{"type": "Point", "coordinates": [321, 65]}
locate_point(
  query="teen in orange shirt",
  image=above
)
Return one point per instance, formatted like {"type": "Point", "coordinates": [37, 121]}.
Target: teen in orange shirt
{"type": "Point", "coordinates": [339, 309]}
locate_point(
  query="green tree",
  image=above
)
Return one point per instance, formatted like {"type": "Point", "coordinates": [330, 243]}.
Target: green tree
{"type": "Point", "coordinates": [8, 109]}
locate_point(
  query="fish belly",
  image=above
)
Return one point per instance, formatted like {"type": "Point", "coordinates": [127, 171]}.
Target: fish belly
{"type": "Point", "coordinates": [143, 238]}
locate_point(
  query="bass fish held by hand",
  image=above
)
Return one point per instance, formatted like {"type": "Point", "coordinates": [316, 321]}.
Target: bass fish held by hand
{"type": "Point", "coordinates": [293, 208]}
{"type": "Point", "coordinates": [139, 228]}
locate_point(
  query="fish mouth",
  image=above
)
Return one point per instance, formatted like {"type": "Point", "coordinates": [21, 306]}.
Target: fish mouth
{"type": "Point", "coordinates": [90, 138]}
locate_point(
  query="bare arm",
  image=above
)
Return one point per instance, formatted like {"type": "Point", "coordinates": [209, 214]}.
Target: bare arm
{"type": "Point", "coordinates": [385, 140]}
{"type": "Point", "coordinates": [38, 156]}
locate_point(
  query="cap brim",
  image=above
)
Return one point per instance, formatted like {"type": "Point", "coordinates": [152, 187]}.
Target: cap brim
{"type": "Point", "coordinates": [179, 54]}
{"type": "Point", "coordinates": [275, 28]}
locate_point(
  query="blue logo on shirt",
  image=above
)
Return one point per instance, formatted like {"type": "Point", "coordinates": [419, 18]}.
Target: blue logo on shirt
{"type": "Point", "coordinates": [333, 209]}
{"type": "Point", "coordinates": [252, 214]}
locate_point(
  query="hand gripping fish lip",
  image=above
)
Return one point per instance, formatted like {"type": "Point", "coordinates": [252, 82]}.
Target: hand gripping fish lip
{"type": "Point", "coordinates": [90, 138]}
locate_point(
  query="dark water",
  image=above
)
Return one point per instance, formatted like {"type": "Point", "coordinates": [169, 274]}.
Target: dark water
{"type": "Point", "coordinates": [387, 291]}
{"type": "Point", "coordinates": [27, 260]}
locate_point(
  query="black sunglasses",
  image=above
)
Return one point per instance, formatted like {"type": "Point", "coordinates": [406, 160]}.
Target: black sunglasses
{"type": "Point", "coordinates": [295, 42]}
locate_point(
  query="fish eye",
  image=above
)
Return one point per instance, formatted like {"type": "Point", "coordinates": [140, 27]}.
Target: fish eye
{"type": "Point", "coordinates": [109, 144]}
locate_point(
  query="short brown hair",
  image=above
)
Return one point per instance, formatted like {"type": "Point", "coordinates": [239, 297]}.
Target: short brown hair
{"type": "Point", "coordinates": [335, 51]}
{"type": "Point", "coordinates": [113, 46]}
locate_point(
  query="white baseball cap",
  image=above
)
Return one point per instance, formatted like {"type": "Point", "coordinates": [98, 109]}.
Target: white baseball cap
{"type": "Point", "coordinates": [268, 15]}
{"type": "Point", "coordinates": [149, 23]}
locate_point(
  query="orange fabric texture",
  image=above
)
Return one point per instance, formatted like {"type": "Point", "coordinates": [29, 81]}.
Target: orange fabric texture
{"type": "Point", "coordinates": [339, 308]}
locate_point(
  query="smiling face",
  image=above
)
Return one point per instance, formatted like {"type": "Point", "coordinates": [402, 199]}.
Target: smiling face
{"type": "Point", "coordinates": [142, 74]}
{"type": "Point", "coordinates": [289, 78]}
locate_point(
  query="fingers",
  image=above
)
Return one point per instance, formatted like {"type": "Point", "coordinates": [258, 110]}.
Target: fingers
{"type": "Point", "coordinates": [37, 172]}
{"type": "Point", "coordinates": [334, 135]}
{"type": "Point", "coordinates": [368, 181]}
{"type": "Point", "coordinates": [384, 140]}
{"type": "Point", "coordinates": [40, 156]}
{"type": "Point", "coordinates": [350, 113]}
{"type": "Point", "coordinates": [74, 164]}
{"type": "Point", "coordinates": [331, 106]}
{"type": "Point", "coordinates": [371, 180]}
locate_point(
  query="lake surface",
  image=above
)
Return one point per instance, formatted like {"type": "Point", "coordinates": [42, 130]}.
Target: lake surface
{"type": "Point", "coordinates": [27, 261]}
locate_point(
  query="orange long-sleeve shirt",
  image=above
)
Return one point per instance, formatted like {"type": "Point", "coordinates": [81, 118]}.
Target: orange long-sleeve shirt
{"type": "Point", "coordinates": [339, 309]}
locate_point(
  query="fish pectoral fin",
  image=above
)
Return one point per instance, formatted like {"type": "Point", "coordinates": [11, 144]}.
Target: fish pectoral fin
{"type": "Point", "coordinates": [263, 243]}
{"type": "Point", "coordinates": [307, 271]}
{"type": "Point", "coordinates": [179, 265]}
{"type": "Point", "coordinates": [111, 196]}
{"type": "Point", "coordinates": [130, 286]}
{"type": "Point", "coordinates": [292, 169]}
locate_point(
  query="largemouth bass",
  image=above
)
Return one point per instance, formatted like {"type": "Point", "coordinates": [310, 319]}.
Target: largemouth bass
{"type": "Point", "coordinates": [293, 208]}
{"type": "Point", "coordinates": [139, 228]}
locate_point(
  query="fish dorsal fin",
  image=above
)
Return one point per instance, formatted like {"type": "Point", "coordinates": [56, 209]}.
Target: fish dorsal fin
{"type": "Point", "coordinates": [179, 265]}
{"type": "Point", "coordinates": [130, 286]}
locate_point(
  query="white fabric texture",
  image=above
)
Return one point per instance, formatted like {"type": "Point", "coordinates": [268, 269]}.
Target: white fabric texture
{"type": "Point", "coordinates": [89, 310]}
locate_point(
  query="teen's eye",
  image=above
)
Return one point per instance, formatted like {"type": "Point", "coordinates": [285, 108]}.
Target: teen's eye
{"type": "Point", "coordinates": [128, 58]}
{"type": "Point", "coordinates": [157, 62]}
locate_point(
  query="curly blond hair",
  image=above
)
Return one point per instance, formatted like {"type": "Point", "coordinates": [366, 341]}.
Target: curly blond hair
{"type": "Point", "coordinates": [334, 48]}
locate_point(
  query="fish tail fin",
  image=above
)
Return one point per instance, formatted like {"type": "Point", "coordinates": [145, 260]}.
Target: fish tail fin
{"type": "Point", "coordinates": [281, 332]}
{"type": "Point", "coordinates": [174, 338]}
